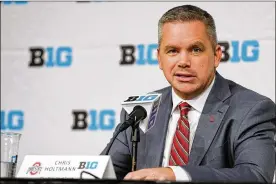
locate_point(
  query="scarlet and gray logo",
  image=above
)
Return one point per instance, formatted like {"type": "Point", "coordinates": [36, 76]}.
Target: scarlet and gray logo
{"type": "Point", "coordinates": [35, 169]}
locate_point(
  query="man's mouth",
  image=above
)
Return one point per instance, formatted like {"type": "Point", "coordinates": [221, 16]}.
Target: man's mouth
{"type": "Point", "coordinates": [184, 77]}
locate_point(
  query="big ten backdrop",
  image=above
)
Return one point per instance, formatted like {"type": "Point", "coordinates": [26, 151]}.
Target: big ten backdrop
{"type": "Point", "coordinates": [67, 66]}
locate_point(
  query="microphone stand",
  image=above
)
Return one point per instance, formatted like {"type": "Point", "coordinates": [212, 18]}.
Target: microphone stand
{"type": "Point", "coordinates": [138, 114]}
{"type": "Point", "coordinates": [135, 138]}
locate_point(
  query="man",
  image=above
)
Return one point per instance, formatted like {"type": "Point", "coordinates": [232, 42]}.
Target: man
{"type": "Point", "coordinates": [208, 128]}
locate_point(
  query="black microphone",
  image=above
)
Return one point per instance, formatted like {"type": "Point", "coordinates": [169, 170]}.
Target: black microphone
{"type": "Point", "coordinates": [138, 114]}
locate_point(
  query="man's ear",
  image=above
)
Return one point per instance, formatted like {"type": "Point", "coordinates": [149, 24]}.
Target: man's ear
{"type": "Point", "coordinates": [218, 55]}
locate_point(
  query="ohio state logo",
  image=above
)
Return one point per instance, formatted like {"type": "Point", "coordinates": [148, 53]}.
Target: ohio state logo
{"type": "Point", "coordinates": [35, 169]}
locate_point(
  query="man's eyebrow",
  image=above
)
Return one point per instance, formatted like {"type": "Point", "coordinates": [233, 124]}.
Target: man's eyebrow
{"type": "Point", "coordinates": [170, 47]}
{"type": "Point", "coordinates": [197, 43]}
{"type": "Point", "coordinates": [194, 44]}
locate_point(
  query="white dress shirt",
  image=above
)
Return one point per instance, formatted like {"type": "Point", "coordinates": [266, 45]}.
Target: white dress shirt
{"type": "Point", "coordinates": [197, 105]}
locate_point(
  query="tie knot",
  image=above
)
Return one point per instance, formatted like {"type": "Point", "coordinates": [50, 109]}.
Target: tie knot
{"type": "Point", "coordinates": [184, 108]}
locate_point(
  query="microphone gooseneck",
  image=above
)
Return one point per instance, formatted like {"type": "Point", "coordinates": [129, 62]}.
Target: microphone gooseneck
{"type": "Point", "coordinates": [138, 114]}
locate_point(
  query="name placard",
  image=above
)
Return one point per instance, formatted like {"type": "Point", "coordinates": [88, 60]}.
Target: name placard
{"type": "Point", "coordinates": [63, 166]}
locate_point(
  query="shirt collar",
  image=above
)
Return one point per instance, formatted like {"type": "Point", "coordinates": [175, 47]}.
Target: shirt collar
{"type": "Point", "coordinates": [197, 103]}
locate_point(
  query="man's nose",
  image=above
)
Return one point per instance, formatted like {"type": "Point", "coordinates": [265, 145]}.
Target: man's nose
{"type": "Point", "coordinates": [184, 60]}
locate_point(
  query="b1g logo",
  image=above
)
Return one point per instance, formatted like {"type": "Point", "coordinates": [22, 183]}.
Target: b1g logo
{"type": "Point", "coordinates": [50, 57]}
{"type": "Point", "coordinates": [98, 120]}
{"type": "Point", "coordinates": [12, 120]}
{"type": "Point", "coordinates": [153, 114]}
{"type": "Point", "coordinates": [141, 98]}
{"type": "Point", "coordinates": [88, 165]}
{"type": "Point", "coordinates": [14, 2]}
{"type": "Point", "coordinates": [236, 51]}
{"type": "Point", "coordinates": [140, 54]}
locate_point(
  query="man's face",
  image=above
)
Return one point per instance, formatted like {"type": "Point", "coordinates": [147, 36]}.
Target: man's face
{"type": "Point", "coordinates": [186, 57]}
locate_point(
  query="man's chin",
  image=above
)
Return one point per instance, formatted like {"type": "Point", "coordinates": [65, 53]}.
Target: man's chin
{"type": "Point", "coordinates": [185, 92]}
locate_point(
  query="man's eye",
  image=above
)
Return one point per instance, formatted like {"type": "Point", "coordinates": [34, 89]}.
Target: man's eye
{"type": "Point", "coordinates": [197, 50]}
{"type": "Point", "coordinates": [172, 51]}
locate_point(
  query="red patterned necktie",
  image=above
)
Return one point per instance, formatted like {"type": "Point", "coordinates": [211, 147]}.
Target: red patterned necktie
{"type": "Point", "coordinates": [180, 147]}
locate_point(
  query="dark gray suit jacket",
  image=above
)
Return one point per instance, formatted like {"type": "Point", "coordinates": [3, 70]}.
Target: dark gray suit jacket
{"type": "Point", "coordinates": [237, 146]}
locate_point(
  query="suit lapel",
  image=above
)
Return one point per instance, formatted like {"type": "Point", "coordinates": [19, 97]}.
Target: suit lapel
{"type": "Point", "coordinates": [210, 120]}
{"type": "Point", "coordinates": [155, 137]}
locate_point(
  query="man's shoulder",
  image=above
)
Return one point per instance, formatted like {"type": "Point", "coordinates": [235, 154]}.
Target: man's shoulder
{"type": "Point", "coordinates": [243, 95]}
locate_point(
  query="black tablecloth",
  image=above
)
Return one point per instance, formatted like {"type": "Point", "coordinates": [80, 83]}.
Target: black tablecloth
{"type": "Point", "coordinates": [86, 181]}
